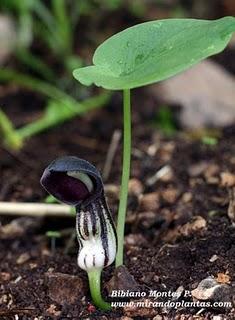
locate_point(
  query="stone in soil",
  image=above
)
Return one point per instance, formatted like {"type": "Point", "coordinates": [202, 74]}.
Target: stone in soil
{"type": "Point", "coordinates": [65, 288]}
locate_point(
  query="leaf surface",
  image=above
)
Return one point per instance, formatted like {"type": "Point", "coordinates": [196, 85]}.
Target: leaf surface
{"type": "Point", "coordinates": [153, 51]}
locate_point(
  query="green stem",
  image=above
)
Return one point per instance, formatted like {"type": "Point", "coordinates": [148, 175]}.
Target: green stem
{"type": "Point", "coordinates": [58, 112]}
{"type": "Point", "coordinates": [32, 83]}
{"type": "Point", "coordinates": [125, 174]}
{"type": "Point", "coordinates": [94, 283]}
{"type": "Point", "coordinates": [61, 113]}
{"type": "Point", "coordinates": [63, 26]}
{"type": "Point", "coordinates": [36, 64]}
{"type": "Point", "coordinates": [11, 138]}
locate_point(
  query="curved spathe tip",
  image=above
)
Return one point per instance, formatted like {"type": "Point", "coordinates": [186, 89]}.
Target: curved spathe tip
{"type": "Point", "coordinates": [72, 180]}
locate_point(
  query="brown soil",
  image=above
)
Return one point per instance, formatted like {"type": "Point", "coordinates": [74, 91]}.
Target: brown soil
{"type": "Point", "coordinates": [163, 250]}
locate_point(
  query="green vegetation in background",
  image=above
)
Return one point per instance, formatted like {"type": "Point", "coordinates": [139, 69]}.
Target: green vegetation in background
{"type": "Point", "coordinates": [164, 121]}
{"type": "Point", "coordinates": [60, 107]}
{"type": "Point", "coordinates": [51, 199]}
{"type": "Point", "coordinates": [53, 235]}
{"type": "Point", "coordinates": [210, 141]}
{"type": "Point", "coordinates": [54, 25]}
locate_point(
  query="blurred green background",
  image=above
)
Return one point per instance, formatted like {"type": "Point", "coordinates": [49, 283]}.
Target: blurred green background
{"type": "Point", "coordinates": [41, 42]}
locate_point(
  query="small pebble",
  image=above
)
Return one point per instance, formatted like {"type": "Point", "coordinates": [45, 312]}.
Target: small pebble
{"type": "Point", "coordinates": [170, 195]}
{"type": "Point", "coordinates": [198, 224]}
{"type": "Point", "coordinates": [213, 258]}
{"type": "Point", "coordinates": [227, 179]}
{"type": "Point", "coordinates": [24, 257]}
{"type": "Point", "coordinates": [217, 318]}
{"type": "Point", "coordinates": [64, 288]}
{"type": "Point", "coordinates": [211, 171]}
{"type": "Point", "coordinates": [122, 280]}
{"type": "Point", "coordinates": [158, 317]}
{"type": "Point", "coordinates": [149, 202]}
{"type": "Point", "coordinates": [112, 190]}
{"type": "Point", "coordinates": [135, 187]}
{"type": "Point", "coordinates": [187, 197]}
{"type": "Point", "coordinates": [223, 278]}
{"type": "Point", "coordinates": [211, 289]}
{"type": "Point", "coordinates": [5, 276]}
{"type": "Point", "coordinates": [53, 311]}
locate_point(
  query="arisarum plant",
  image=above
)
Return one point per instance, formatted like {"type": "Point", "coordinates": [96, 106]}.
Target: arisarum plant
{"type": "Point", "coordinates": [146, 53]}
{"type": "Point", "coordinates": [76, 182]}
{"type": "Point", "coordinates": [143, 54]}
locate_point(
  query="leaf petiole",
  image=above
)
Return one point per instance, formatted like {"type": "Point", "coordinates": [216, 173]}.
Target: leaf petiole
{"type": "Point", "coordinates": [125, 174]}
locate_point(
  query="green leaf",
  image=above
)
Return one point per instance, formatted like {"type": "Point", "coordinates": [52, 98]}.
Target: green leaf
{"type": "Point", "coordinates": [155, 50]}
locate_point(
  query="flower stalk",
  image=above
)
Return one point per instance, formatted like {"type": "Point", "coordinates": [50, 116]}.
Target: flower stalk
{"type": "Point", "coordinates": [94, 277]}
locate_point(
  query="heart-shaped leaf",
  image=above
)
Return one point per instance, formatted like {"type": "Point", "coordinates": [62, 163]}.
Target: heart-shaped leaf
{"type": "Point", "coordinates": [155, 50]}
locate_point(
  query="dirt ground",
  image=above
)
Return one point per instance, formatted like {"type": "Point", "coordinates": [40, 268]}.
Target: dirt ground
{"type": "Point", "coordinates": [177, 233]}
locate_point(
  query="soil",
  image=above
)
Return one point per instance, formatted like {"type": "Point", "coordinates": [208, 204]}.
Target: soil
{"type": "Point", "coordinates": [178, 231]}
{"type": "Point", "coordinates": [164, 250]}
